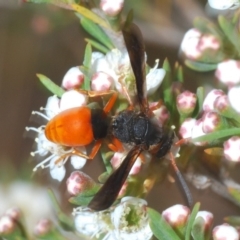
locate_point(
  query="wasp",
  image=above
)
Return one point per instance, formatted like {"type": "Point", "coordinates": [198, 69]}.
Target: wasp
{"type": "Point", "coordinates": [136, 127]}
{"type": "Point", "coordinates": [80, 126]}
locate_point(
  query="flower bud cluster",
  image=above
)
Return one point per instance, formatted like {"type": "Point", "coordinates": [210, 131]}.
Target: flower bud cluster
{"type": "Point", "coordinates": [217, 114]}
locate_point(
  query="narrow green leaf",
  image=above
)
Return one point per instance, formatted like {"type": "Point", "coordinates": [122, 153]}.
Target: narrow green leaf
{"type": "Point", "coordinates": [206, 26]}
{"type": "Point", "coordinates": [90, 15]}
{"type": "Point", "coordinates": [191, 221]}
{"type": "Point", "coordinates": [97, 45]}
{"type": "Point", "coordinates": [94, 30]}
{"type": "Point", "coordinates": [179, 73]}
{"type": "Point", "coordinates": [230, 31]}
{"type": "Point", "coordinates": [129, 19]}
{"type": "Point", "coordinates": [160, 228]}
{"type": "Point", "coordinates": [198, 229]}
{"type": "Point", "coordinates": [200, 98]}
{"type": "Point", "coordinates": [65, 221]}
{"type": "Point", "coordinates": [233, 220]}
{"type": "Point", "coordinates": [216, 135]}
{"type": "Point", "coordinates": [50, 85]}
{"type": "Point", "coordinates": [85, 197]}
{"type": "Point", "coordinates": [87, 56]}
{"type": "Point", "coordinates": [200, 66]}
{"type": "Point", "coordinates": [235, 193]}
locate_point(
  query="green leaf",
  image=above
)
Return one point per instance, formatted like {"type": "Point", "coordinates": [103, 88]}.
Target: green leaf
{"type": "Point", "coordinates": [198, 229]}
{"type": "Point", "coordinates": [90, 15]}
{"type": "Point", "coordinates": [160, 228]}
{"type": "Point", "coordinates": [65, 221]}
{"type": "Point", "coordinates": [106, 157]}
{"type": "Point", "coordinates": [230, 31]}
{"type": "Point", "coordinates": [216, 135]}
{"type": "Point", "coordinates": [200, 98]}
{"type": "Point", "coordinates": [87, 56]}
{"type": "Point", "coordinates": [85, 197]}
{"type": "Point", "coordinates": [94, 30]}
{"type": "Point", "coordinates": [97, 45]}
{"type": "Point", "coordinates": [191, 221]}
{"type": "Point", "coordinates": [233, 220]}
{"type": "Point", "coordinates": [206, 26]}
{"type": "Point", "coordinates": [235, 193]}
{"type": "Point", "coordinates": [50, 85]}
{"type": "Point", "coordinates": [179, 73]}
{"type": "Point", "coordinates": [200, 66]}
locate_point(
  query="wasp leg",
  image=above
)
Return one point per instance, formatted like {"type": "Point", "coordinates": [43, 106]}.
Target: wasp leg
{"type": "Point", "coordinates": [91, 156]}
{"type": "Point", "coordinates": [116, 145]}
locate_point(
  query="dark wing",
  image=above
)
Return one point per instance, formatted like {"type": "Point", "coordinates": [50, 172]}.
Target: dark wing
{"type": "Point", "coordinates": [108, 193]}
{"type": "Point", "coordinates": [136, 50]}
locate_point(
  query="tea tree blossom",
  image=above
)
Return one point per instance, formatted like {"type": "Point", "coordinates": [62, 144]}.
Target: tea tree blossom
{"type": "Point", "coordinates": [225, 231]}
{"type": "Point", "coordinates": [232, 149]}
{"type": "Point", "coordinates": [223, 4]}
{"type": "Point", "coordinates": [130, 220]}
{"type": "Point", "coordinates": [228, 72]}
{"type": "Point", "coordinates": [176, 215]}
{"type": "Point", "coordinates": [54, 151]}
{"type": "Point", "coordinates": [111, 7]}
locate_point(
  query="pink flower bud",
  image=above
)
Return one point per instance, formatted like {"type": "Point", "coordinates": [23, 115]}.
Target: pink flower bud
{"type": "Point", "coordinates": [78, 182]}
{"type": "Point", "coordinates": [118, 158]}
{"type": "Point", "coordinates": [71, 99]}
{"type": "Point", "coordinates": [186, 128]}
{"type": "Point", "coordinates": [197, 131]}
{"type": "Point", "coordinates": [111, 7]}
{"type": "Point", "coordinates": [176, 215]}
{"type": "Point", "coordinates": [208, 104]}
{"type": "Point", "coordinates": [161, 113]}
{"type": "Point", "coordinates": [233, 96]}
{"type": "Point", "coordinates": [43, 227]}
{"type": "Point", "coordinates": [207, 217]}
{"type": "Point", "coordinates": [186, 102]}
{"type": "Point", "coordinates": [228, 72]}
{"type": "Point", "coordinates": [7, 225]}
{"type": "Point", "coordinates": [14, 213]}
{"type": "Point", "coordinates": [195, 44]}
{"type": "Point", "coordinates": [211, 121]}
{"type": "Point", "coordinates": [221, 104]}
{"type": "Point", "coordinates": [225, 231]}
{"type": "Point", "coordinates": [101, 81]}
{"type": "Point", "coordinates": [74, 78]}
{"type": "Point", "coordinates": [231, 149]}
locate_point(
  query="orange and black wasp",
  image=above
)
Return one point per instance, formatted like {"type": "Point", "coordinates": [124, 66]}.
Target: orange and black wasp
{"type": "Point", "coordinates": [135, 127]}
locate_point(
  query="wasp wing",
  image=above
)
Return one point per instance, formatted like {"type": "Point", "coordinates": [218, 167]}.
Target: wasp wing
{"type": "Point", "coordinates": [108, 193]}
{"type": "Point", "coordinates": [136, 50]}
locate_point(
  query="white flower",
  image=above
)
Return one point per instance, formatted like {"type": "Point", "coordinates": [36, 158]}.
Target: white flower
{"type": "Point", "coordinates": [231, 149]}
{"type": "Point", "coordinates": [130, 220]}
{"type": "Point", "coordinates": [154, 78]}
{"type": "Point", "coordinates": [186, 128]}
{"type": "Point", "coordinates": [90, 223]}
{"type": "Point", "coordinates": [223, 4]}
{"type": "Point", "coordinates": [225, 231]}
{"type": "Point", "coordinates": [32, 199]}
{"type": "Point", "coordinates": [111, 7]}
{"type": "Point", "coordinates": [116, 64]}
{"type": "Point", "coordinates": [55, 153]}
{"type": "Point", "coordinates": [208, 103]}
{"type": "Point", "coordinates": [228, 72]}
{"type": "Point", "coordinates": [233, 97]}
{"type": "Point", "coordinates": [7, 225]}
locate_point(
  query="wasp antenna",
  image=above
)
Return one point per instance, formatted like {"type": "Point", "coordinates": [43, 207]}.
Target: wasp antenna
{"type": "Point", "coordinates": [182, 181]}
